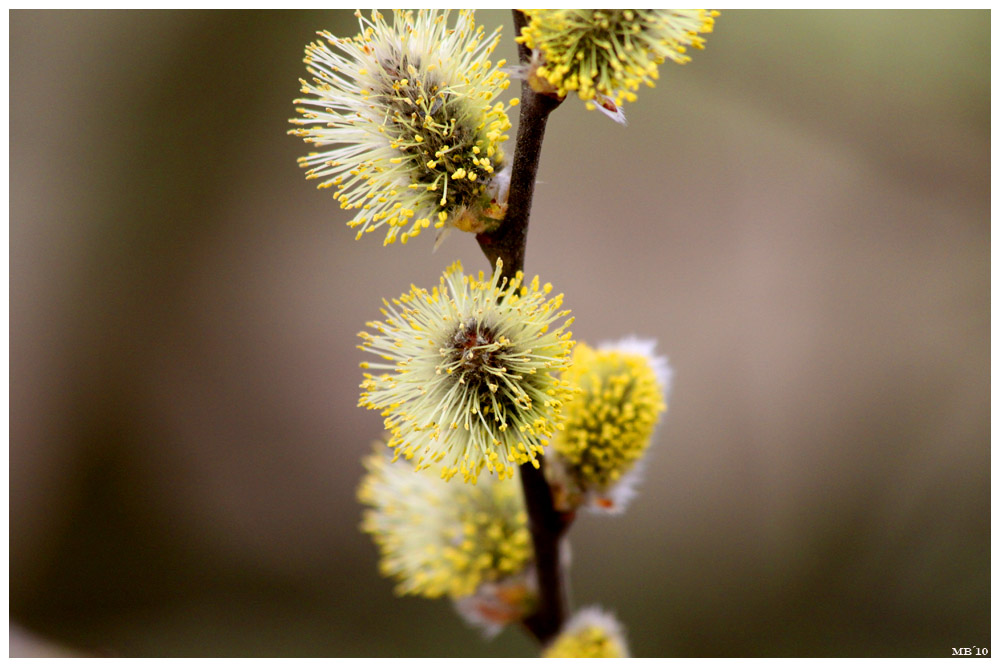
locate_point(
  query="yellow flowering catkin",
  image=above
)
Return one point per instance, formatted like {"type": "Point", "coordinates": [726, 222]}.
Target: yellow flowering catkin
{"type": "Point", "coordinates": [411, 112]}
{"type": "Point", "coordinates": [438, 539]}
{"type": "Point", "coordinates": [610, 420]}
{"type": "Point", "coordinates": [467, 375]}
{"type": "Point", "coordinates": [610, 52]}
{"type": "Point", "coordinates": [590, 633]}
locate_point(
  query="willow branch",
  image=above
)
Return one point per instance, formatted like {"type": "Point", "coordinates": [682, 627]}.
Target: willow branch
{"type": "Point", "coordinates": [547, 524]}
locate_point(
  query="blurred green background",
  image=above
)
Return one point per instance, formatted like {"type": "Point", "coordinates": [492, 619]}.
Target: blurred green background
{"type": "Point", "coordinates": [800, 216]}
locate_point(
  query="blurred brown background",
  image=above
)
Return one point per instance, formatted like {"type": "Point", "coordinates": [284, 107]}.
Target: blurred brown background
{"type": "Point", "coordinates": [800, 216]}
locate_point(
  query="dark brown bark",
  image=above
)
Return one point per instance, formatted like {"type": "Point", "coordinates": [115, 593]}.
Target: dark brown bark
{"type": "Point", "coordinates": [507, 243]}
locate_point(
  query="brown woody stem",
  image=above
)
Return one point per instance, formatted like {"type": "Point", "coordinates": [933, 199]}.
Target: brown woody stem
{"type": "Point", "coordinates": [547, 524]}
